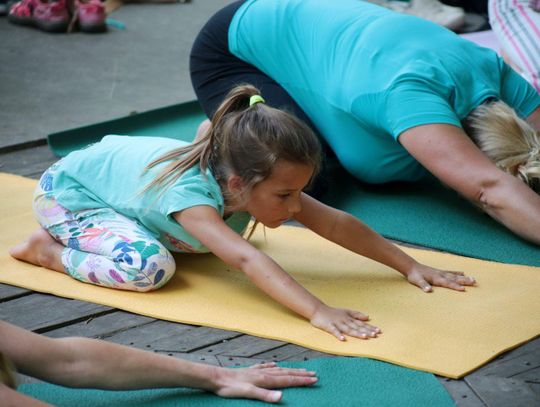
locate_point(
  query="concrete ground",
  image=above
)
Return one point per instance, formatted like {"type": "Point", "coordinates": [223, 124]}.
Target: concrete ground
{"type": "Point", "coordinates": [54, 82]}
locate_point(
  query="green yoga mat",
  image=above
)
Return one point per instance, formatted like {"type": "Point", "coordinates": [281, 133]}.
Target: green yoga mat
{"type": "Point", "coordinates": [342, 381]}
{"type": "Point", "coordinates": [423, 213]}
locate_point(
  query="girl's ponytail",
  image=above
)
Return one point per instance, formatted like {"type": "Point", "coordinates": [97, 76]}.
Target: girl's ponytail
{"type": "Point", "coordinates": [203, 151]}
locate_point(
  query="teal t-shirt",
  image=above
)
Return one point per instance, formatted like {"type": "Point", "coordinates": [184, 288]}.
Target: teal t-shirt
{"type": "Point", "coordinates": [365, 74]}
{"type": "Point", "coordinates": [110, 174]}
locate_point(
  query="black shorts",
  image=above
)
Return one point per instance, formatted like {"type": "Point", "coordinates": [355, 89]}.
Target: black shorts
{"type": "Point", "coordinates": [215, 70]}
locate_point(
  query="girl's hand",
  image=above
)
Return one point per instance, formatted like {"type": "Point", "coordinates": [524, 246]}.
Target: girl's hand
{"type": "Point", "coordinates": [425, 277]}
{"type": "Point", "coordinates": [340, 322]}
{"type": "Point", "coordinates": [255, 382]}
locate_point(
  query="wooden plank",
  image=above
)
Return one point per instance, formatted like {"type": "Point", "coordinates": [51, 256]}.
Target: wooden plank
{"type": "Point", "coordinates": [100, 326]}
{"type": "Point", "coordinates": [502, 392]}
{"type": "Point", "coordinates": [530, 376]}
{"type": "Point", "coordinates": [194, 339]}
{"type": "Point", "coordinates": [245, 346]}
{"type": "Point", "coordinates": [461, 393]}
{"type": "Point", "coordinates": [9, 292]}
{"type": "Point", "coordinates": [42, 312]}
{"type": "Point", "coordinates": [510, 367]}
{"type": "Point", "coordinates": [531, 346]}
{"type": "Point", "coordinates": [236, 361]}
{"type": "Point", "coordinates": [149, 335]}
{"type": "Point", "coordinates": [31, 162]}
{"type": "Point", "coordinates": [288, 351]}
{"type": "Point", "coordinates": [310, 354]}
{"type": "Point", "coordinates": [535, 387]}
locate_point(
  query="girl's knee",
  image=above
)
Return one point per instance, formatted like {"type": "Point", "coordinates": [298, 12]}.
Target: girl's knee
{"type": "Point", "coordinates": [155, 276]}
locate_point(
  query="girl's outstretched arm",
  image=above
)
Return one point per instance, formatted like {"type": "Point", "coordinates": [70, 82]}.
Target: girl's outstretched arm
{"type": "Point", "coordinates": [83, 362]}
{"type": "Point", "coordinates": [347, 231]}
{"type": "Point", "coordinates": [449, 154]}
{"type": "Point", "coordinates": [205, 224]}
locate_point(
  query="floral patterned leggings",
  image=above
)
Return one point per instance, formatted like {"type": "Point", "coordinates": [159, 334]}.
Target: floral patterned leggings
{"type": "Point", "coordinates": [103, 247]}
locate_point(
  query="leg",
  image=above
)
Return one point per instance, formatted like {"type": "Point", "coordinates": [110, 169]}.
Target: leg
{"type": "Point", "coordinates": [42, 250]}
{"type": "Point", "coordinates": [106, 248]}
{"type": "Point", "coordinates": [97, 246]}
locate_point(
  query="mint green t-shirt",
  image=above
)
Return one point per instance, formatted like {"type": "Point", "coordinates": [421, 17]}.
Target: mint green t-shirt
{"type": "Point", "coordinates": [108, 174]}
{"type": "Point", "coordinates": [365, 74]}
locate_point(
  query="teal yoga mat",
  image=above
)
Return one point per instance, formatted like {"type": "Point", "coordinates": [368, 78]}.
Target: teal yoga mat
{"type": "Point", "coordinates": [342, 381]}
{"type": "Point", "coordinates": [423, 213]}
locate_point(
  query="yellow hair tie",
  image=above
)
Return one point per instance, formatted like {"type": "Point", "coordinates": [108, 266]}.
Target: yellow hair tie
{"type": "Point", "coordinates": [253, 100]}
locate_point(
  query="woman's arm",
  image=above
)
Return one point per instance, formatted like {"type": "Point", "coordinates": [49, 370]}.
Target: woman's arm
{"type": "Point", "coordinates": [205, 224]}
{"type": "Point", "coordinates": [83, 362]}
{"type": "Point", "coordinates": [449, 154]}
{"type": "Point", "coordinates": [350, 233]}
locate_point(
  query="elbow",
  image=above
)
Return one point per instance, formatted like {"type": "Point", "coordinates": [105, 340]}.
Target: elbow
{"type": "Point", "coordinates": [491, 194]}
{"type": "Point", "coordinates": [247, 263]}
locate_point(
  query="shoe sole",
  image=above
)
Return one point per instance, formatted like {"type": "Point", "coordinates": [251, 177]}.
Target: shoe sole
{"type": "Point", "coordinates": [93, 28]}
{"type": "Point", "coordinates": [55, 27]}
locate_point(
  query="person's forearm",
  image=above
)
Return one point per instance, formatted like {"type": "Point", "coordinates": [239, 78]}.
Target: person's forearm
{"type": "Point", "coordinates": [354, 235]}
{"type": "Point", "coordinates": [515, 205]}
{"type": "Point", "coordinates": [270, 278]}
{"type": "Point", "coordinates": [98, 364]}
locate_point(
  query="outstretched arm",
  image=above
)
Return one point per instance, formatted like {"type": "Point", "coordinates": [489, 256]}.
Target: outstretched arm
{"type": "Point", "coordinates": [350, 233]}
{"type": "Point", "coordinates": [83, 362]}
{"type": "Point", "coordinates": [205, 224]}
{"type": "Point", "coordinates": [449, 154]}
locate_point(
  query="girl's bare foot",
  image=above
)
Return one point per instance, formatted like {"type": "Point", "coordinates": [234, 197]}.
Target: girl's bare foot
{"type": "Point", "coordinates": [40, 249]}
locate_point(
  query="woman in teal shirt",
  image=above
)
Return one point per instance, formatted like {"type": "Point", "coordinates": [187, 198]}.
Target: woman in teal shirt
{"type": "Point", "coordinates": [390, 94]}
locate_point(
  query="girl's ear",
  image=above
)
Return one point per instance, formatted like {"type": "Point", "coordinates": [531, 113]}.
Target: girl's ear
{"type": "Point", "coordinates": [235, 184]}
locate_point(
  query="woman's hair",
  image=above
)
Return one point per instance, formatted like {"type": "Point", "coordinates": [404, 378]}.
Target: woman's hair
{"type": "Point", "coordinates": [243, 140]}
{"type": "Point", "coordinates": [509, 141]}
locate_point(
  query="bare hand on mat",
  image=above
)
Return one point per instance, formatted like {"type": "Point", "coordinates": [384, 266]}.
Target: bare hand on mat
{"type": "Point", "coordinates": [253, 382]}
{"type": "Point", "coordinates": [425, 277]}
{"type": "Point", "coordinates": [91, 363]}
{"type": "Point", "coordinates": [340, 322]}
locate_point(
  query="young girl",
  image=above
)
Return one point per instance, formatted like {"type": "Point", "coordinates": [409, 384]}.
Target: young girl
{"type": "Point", "coordinates": [112, 212]}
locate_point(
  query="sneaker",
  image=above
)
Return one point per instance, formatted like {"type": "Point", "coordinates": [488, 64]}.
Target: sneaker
{"type": "Point", "coordinates": [50, 16]}
{"type": "Point", "coordinates": [90, 15]}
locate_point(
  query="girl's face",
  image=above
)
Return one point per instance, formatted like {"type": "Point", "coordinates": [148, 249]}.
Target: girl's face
{"type": "Point", "coordinates": [277, 198]}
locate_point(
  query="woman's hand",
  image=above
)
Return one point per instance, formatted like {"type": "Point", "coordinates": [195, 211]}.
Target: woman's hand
{"type": "Point", "coordinates": [254, 382]}
{"type": "Point", "coordinates": [425, 277]}
{"type": "Point", "coordinates": [340, 322]}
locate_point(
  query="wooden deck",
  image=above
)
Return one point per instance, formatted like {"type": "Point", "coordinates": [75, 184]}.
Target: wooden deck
{"type": "Point", "coordinates": [512, 379]}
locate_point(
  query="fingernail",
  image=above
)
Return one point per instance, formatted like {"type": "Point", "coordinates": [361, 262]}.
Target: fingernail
{"type": "Point", "coordinates": [275, 396]}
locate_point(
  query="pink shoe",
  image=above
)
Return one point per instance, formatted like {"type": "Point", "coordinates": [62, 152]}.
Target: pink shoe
{"type": "Point", "coordinates": [91, 15]}
{"type": "Point", "coordinates": [50, 16]}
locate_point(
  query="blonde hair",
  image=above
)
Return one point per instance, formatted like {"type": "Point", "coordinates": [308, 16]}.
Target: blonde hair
{"type": "Point", "coordinates": [245, 140]}
{"type": "Point", "coordinates": [509, 141]}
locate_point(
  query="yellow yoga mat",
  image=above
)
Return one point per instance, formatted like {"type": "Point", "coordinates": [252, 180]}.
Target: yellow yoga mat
{"type": "Point", "coordinates": [446, 332]}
